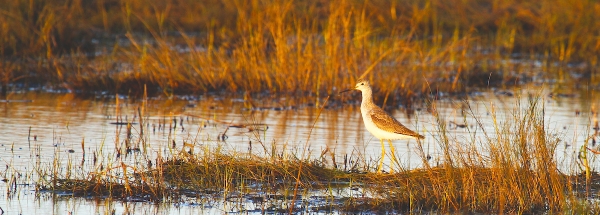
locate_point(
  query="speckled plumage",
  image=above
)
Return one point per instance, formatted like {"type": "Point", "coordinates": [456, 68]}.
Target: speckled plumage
{"type": "Point", "coordinates": [379, 122]}
{"type": "Point", "coordinates": [388, 123]}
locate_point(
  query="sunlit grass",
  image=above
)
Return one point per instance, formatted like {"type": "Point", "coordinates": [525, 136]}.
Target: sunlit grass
{"type": "Point", "coordinates": [407, 48]}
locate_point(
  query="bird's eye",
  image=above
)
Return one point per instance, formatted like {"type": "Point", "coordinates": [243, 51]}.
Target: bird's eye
{"type": "Point", "coordinates": [362, 84]}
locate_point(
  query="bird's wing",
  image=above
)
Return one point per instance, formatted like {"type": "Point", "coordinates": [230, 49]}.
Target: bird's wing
{"type": "Point", "coordinates": [385, 122]}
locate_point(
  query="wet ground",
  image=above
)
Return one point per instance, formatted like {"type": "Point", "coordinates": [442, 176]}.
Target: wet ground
{"type": "Point", "coordinates": [62, 127]}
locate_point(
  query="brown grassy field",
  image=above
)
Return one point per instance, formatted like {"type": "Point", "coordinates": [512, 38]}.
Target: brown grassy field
{"type": "Point", "coordinates": [407, 48]}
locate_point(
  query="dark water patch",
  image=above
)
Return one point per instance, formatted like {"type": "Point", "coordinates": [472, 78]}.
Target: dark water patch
{"type": "Point", "coordinates": [13, 101]}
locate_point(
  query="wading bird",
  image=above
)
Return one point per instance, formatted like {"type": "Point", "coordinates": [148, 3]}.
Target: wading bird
{"type": "Point", "coordinates": [379, 122]}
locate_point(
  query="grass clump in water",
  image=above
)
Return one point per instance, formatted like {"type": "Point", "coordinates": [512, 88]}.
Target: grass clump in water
{"type": "Point", "coordinates": [512, 169]}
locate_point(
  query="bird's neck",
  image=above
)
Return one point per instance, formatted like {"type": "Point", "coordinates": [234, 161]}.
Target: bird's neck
{"type": "Point", "coordinates": [367, 99]}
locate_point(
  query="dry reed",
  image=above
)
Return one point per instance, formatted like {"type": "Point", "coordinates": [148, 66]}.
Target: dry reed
{"type": "Point", "coordinates": [408, 48]}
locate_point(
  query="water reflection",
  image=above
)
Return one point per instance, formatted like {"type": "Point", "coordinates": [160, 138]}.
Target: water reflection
{"type": "Point", "coordinates": [70, 127]}
{"type": "Point", "coordinates": [63, 121]}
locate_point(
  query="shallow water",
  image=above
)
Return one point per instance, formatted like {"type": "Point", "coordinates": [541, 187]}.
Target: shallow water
{"type": "Point", "coordinates": [43, 127]}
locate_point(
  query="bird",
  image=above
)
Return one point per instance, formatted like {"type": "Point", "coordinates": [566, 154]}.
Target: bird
{"type": "Point", "coordinates": [380, 123]}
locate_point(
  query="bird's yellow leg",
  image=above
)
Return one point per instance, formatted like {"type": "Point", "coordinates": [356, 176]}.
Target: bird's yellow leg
{"type": "Point", "coordinates": [393, 156]}
{"type": "Point", "coordinates": [382, 156]}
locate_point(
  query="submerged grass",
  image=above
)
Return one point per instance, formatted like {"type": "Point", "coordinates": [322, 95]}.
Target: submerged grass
{"type": "Point", "coordinates": [407, 48]}
{"type": "Point", "coordinates": [512, 169]}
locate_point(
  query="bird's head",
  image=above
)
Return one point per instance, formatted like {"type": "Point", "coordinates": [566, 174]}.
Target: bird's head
{"type": "Point", "coordinates": [363, 84]}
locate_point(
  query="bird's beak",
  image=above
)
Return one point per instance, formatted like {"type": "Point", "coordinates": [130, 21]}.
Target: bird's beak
{"type": "Point", "coordinates": [346, 91]}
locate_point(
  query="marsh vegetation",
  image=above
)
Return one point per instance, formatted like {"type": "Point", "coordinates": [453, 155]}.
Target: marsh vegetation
{"type": "Point", "coordinates": [193, 104]}
{"type": "Point", "coordinates": [407, 48]}
{"type": "Point", "coordinates": [514, 160]}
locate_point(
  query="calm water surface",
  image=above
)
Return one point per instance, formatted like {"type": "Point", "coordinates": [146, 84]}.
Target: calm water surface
{"type": "Point", "coordinates": [44, 127]}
